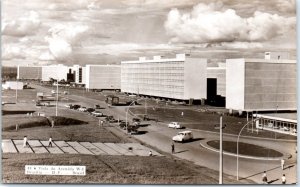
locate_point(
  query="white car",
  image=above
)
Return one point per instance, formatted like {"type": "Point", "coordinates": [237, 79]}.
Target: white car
{"type": "Point", "coordinates": [183, 136]}
{"type": "Point", "coordinates": [82, 109]}
{"type": "Point", "coordinates": [68, 105]}
{"type": "Point", "coordinates": [285, 129]}
{"type": "Point", "coordinates": [97, 114]}
{"type": "Point", "coordinates": [174, 125]}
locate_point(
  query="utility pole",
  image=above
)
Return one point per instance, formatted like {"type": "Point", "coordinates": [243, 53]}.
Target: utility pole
{"type": "Point", "coordinates": [56, 98]}
{"type": "Point", "coordinates": [221, 127]}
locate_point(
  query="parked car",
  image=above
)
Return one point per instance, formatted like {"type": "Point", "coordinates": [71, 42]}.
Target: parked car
{"type": "Point", "coordinates": [97, 113]}
{"type": "Point", "coordinates": [132, 129]}
{"type": "Point", "coordinates": [285, 129]}
{"type": "Point", "coordinates": [174, 125]}
{"type": "Point", "coordinates": [97, 106]}
{"type": "Point", "coordinates": [68, 106]}
{"type": "Point", "coordinates": [90, 110]}
{"type": "Point", "coordinates": [183, 136]}
{"type": "Point", "coordinates": [122, 124]}
{"type": "Point", "coordinates": [53, 91]}
{"type": "Point", "coordinates": [136, 121]}
{"type": "Point", "coordinates": [111, 119]}
{"type": "Point", "coordinates": [82, 109]}
{"type": "Point", "coordinates": [75, 107]}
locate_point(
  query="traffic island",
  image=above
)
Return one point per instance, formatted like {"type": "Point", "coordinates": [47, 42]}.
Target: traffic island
{"type": "Point", "coordinates": [246, 150]}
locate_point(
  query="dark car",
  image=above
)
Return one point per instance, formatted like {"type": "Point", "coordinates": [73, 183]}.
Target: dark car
{"type": "Point", "coordinates": [136, 120]}
{"type": "Point", "coordinates": [90, 110]}
{"type": "Point", "coordinates": [122, 124]}
{"type": "Point", "coordinates": [75, 107]}
{"type": "Point", "coordinates": [97, 106]}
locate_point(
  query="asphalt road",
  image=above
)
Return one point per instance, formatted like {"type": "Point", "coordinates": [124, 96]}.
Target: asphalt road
{"type": "Point", "coordinates": [159, 136]}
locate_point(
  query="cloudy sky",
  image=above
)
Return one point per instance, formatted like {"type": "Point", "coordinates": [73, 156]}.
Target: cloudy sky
{"type": "Point", "coordinates": [108, 31]}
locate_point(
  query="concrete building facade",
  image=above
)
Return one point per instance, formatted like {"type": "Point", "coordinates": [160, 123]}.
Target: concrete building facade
{"type": "Point", "coordinates": [103, 77]}
{"type": "Point", "coordinates": [218, 73]}
{"type": "Point", "coordinates": [58, 72]}
{"type": "Point", "coordinates": [261, 85]}
{"type": "Point", "coordinates": [181, 78]}
{"type": "Point", "coordinates": [30, 72]}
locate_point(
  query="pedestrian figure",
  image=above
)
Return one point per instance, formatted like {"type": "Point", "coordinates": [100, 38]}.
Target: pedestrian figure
{"type": "Point", "coordinates": [50, 142]}
{"type": "Point", "coordinates": [101, 122]}
{"type": "Point", "coordinates": [296, 149]}
{"type": "Point", "coordinates": [17, 127]}
{"type": "Point", "coordinates": [173, 148]}
{"type": "Point", "coordinates": [150, 153]}
{"type": "Point", "coordinates": [25, 141]}
{"type": "Point", "coordinates": [264, 178]}
{"type": "Point", "coordinates": [52, 123]}
{"type": "Point", "coordinates": [282, 164]}
{"type": "Point", "coordinates": [283, 179]}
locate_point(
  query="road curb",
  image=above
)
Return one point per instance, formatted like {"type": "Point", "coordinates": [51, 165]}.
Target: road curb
{"type": "Point", "coordinates": [242, 156]}
{"type": "Point", "coordinates": [249, 137]}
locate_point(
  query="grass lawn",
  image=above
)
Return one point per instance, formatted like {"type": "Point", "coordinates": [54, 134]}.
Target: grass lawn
{"type": "Point", "coordinates": [245, 149]}
{"type": "Point", "coordinates": [206, 121]}
{"type": "Point", "coordinates": [112, 170]}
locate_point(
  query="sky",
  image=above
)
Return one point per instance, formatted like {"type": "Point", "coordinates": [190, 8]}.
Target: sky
{"type": "Point", "coordinates": [82, 32]}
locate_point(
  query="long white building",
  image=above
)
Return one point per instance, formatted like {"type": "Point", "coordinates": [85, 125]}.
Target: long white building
{"type": "Point", "coordinates": [103, 77]}
{"type": "Point", "coordinates": [181, 78]}
{"type": "Point", "coordinates": [29, 72]}
{"type": "Point", "coordinates": [261, 84]}
{"type": "Point", "coordinates": [58, 72]}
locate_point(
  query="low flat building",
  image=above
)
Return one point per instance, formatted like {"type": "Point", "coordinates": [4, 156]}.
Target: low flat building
{"type": "Point", "coordinates": [180, 78]}
{"type": "Point", "coordinates": [13, 85]}
{"type": "Point", "coordinates": [103, 77]}
{"type": "Point", "coordinates": [261, 84]}
{"type": "Point", "coordinates": [278, 122]}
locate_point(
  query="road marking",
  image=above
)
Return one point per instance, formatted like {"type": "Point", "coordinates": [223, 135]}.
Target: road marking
{"type": "Point", "coordinates": [65, 147]}
{"type": "Point", "coordinates": [119, 149]}
{"type": "Point", "coordinates": [8, 147]}
{"type": "Point", "coordinates": [54, 149]}
{"type": "Point", "coordinates": [21, 149]}
{"type": "Point", "coordinates": [81, 149]}
{"type": "Point", "coordinates": [93, 148]}
{"type": "Point", "coordinates": [37, 146]}
{"type": "Point", "coordinates": [107, 149]}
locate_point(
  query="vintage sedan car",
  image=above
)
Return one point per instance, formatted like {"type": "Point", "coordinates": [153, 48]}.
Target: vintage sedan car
{"type": "Point", "coordinates": [175, 125]}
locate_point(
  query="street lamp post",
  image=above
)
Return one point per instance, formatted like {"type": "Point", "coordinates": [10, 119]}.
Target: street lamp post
{"type": "Point", "coordinates": [128, 110]}
{"type": "Point", "coordinates": [56, 98]}
{"type": "Point", "coordinates": [237, 147]}
{"type": "Point", "coordinates": [17, 92]}
{"type": "Point", "coordinates": [221, 127]}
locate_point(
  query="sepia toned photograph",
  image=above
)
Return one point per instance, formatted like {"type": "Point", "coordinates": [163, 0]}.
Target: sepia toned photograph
{"type": "Point", "coordinates": [149, 92]}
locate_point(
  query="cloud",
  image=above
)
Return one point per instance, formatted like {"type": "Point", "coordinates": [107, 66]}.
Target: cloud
{"type": "Point", "coordinates": [46, 56]}
{"type": "Point", "coordinates": [286, 5]}
{"type": "Point", "coordinates": [23, 26]}
{"type": "Point", "coordinates": [12, 52]}
{"type": "Point", "coordinates": [62, 39]}
{"type": "Point", "coordinates": [211, 23]}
